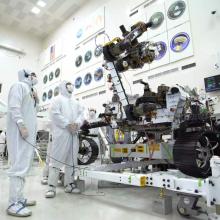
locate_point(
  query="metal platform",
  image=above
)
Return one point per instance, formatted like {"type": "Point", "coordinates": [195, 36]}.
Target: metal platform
{"type": "Point", "coordinates": [172, 180]}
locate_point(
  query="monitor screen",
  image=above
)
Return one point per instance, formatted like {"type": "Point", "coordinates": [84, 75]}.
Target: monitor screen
{"type": "Point", "coordinates": [212, 83]}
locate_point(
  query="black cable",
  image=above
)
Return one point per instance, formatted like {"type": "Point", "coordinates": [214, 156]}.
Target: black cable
{"type": "Point", "coordinates": [127, 83]}
{"type": "Point", "coordinates": [34, 146]}
{"type": "Point", "coordinates": [99, 34]}
{"type": "Point", "coordinates": [72, 156]}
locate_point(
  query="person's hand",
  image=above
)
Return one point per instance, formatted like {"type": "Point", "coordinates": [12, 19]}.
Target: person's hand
{"type": "Point", "coordinates": [23, 130]}
{"type": "Point", "coordinates": [73, 127]}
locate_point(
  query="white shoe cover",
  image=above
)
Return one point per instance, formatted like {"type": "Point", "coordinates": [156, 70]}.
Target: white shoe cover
{"type": "Point", "coordinates": [44, 181]}
{"type": "Point", "coordinates": [51, 192]}
{"type": "Point", "coordinates": [27, 202]}
{"type": "Point", "coordinates": [19, 210]}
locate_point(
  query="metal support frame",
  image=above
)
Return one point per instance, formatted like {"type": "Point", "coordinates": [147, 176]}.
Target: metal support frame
{"type": "Point", "coordinates": [172, 180]}
{"type": "Point", "coordinates": [125, 165]}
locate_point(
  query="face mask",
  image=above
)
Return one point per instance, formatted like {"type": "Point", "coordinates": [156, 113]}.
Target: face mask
{"type": "Point", "coordinates": [34, 80]}
{"type": "Point", "coordinates": [92, 114]}
{"type": "Point", "coordinates": [69, 88]}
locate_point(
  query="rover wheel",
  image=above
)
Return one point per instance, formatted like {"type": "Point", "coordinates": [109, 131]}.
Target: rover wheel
{"type": "Point", "coordinates": [193, 151]}
{"type": "Point", "coordinates": [88, 151]}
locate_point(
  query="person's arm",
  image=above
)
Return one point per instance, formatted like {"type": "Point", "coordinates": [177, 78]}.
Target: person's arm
{"type": "Point", "coordinates": [15, 99]}
{"type": "Point", "coordinates": [57, 116]}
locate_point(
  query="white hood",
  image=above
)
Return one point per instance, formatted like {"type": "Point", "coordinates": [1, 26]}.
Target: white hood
{"type": "Point", "coordinates": [63, 89]}
{"type": "Point", "coordinates": [22, 78]}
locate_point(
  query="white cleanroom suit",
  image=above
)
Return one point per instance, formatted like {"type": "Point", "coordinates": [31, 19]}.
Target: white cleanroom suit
{"type": "Point", "coordinates": [2, 143]}
{"type": "Point", "coordinates": [46, 168]}
{"type": "Point", "coordinates": [67, 115]}
{"type": "Point", "coordinates": [21, 128]}
{"type": "Point", "coordinates": [95, 131]}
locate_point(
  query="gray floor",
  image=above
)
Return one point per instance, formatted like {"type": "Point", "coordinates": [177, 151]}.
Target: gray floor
{"type": "Point", "coordinates": [117, 203]}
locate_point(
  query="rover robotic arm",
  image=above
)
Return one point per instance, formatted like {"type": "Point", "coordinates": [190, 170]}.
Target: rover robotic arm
{"type": "Point", "coordinates": [128, 52]}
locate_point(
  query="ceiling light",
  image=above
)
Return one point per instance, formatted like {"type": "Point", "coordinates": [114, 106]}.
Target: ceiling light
{"type": "Point", "coordinates": [41, 3]}
{"type": "Point", "coordinates": [35, 10]}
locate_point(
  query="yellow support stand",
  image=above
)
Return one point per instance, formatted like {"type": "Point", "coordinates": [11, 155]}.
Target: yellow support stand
{"type": "Point", "coordinates": [162, 193]}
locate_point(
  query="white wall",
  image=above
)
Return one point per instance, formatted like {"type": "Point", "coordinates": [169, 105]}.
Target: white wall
{"type": "Point", "coordinates": [205, 31]}
{"type": "Point", "coordinates": [10, 63]}
{"type": "Point", "coordinates": [66, 33]}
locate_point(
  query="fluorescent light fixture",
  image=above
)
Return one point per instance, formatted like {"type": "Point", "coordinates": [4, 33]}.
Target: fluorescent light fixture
{"type": "Point", "coordinates": [35, 10]}
{"type": "Point", "coordinates": [12, 49]}
{"type": "Point", "coordinates": [41, 3]}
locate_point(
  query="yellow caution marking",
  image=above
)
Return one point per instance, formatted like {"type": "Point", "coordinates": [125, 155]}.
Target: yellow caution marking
{"type": "Point", "coordinates": [140, 149]}
{"type": "Point", "coordinates": [125, 150]}
{"type": "Point", "coordinates": [143, 181]}
{"type": "Point", "coordinates": [154, 147]}
{"type": "Point", "coordinates": [117, 150]}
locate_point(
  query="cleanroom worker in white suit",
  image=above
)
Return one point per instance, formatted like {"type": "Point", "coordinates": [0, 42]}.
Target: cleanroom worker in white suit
{"type": "Point", "coordinates": [21, 134]}
{"type": "Point", "coordinates": [44, 180]}
{"type": "Point", "coordinates": [46, 168]}
{"type": "Point", "coordinates": [67, 116]}
{"type": "Point", "coordinates": [94, 131]}
{"type": "Point", "coordinates": [2, 144]}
